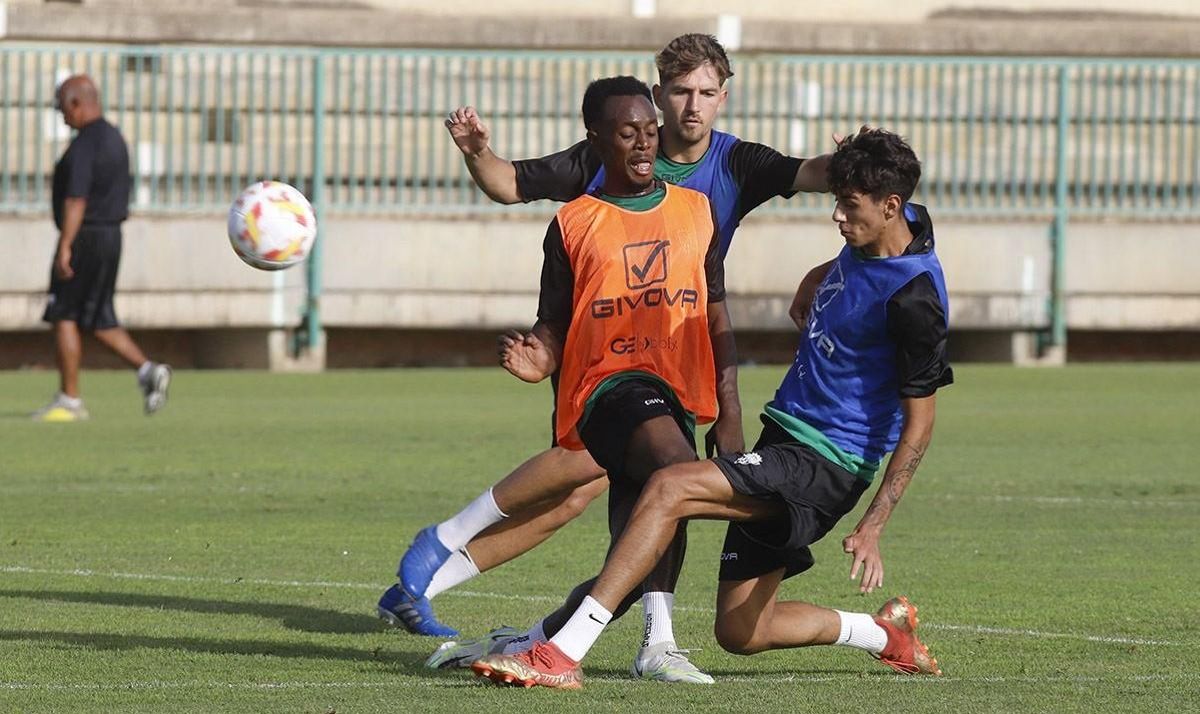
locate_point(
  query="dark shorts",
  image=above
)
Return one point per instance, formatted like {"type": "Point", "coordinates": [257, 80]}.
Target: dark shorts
{"type": "Point", "coordinates": [87, 298]}
{"type": "Point", "coordinates": [815, 492]}
{"type": "Point", "coordinates": [618, 412]}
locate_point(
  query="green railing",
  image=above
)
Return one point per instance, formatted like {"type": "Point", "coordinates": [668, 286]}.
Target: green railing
{"type": "Point", "coordinates": [361, 131]}
{"type": "Point", "coordinates": [998, 137]}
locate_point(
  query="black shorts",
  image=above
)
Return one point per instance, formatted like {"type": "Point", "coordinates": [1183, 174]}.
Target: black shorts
{"type": "Point", "coordinates": [816, 494]}
{"type": "Point", "coordinates": [618, 412]}
{"type": "Point", "coordinates": [87, 298]}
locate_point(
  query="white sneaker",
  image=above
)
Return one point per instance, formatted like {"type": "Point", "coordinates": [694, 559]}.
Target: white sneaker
{"type": "Point", "coordinates": [61, 408]}
{"type": "Point", "coordinates": [154, 387]}
{"type": "Point", "coordinates": [462, 654]}
{"type": "Point", "coordinates": [665, 662]}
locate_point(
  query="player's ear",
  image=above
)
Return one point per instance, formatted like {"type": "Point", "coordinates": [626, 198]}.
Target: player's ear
{"type": "Point", "coordinates": [591, 137]}
{"type": "Point", "coordinates": [656, 92]}
{"type": "Point", "coordinates": [892, 205]}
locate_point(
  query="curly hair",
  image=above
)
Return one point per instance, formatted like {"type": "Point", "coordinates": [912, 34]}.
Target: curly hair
{"type": "Point", "coordinates": [600, 90]}
{"type": "Point", "coordinates": [687, 53]}
{"type": "Point", "coordinates": [876, 163]}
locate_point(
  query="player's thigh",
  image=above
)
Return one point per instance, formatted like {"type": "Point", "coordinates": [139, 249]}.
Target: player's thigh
{"type": "Point", "coordinates": [699, 489]}
{"type": "Point", "coordinates": [654, 444]}
{"type": "Point", "coordinates": [549, 474]}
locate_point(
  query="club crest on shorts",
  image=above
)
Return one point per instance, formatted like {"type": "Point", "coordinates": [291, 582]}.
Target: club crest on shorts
{"type": "Point", "coordinates": [750, 458]}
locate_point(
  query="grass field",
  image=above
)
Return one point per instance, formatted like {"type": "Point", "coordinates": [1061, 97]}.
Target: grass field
{"type": "Point", "coordinates": [226, 555]}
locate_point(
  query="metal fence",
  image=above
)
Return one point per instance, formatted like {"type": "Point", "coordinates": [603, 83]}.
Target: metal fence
{"type": "Point", "coordinates": [998, 137]}
{"type": "Point", "coordinates": [361, 131]}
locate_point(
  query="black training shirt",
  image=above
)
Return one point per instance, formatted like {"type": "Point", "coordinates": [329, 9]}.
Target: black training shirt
{"type": "Point", "coordinates": [759, 172]}
{"type": "Point", "coordinates": [95, 167]}
{"type": "Point", "coordinates": [916, 322]}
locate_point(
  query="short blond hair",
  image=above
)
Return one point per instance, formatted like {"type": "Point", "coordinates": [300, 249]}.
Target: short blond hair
{"type": "Point", "coordinates": [688, 53]}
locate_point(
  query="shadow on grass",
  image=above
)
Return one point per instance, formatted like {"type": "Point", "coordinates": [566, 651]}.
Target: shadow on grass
{"type": "Point", "coordinates": [408, 663]}
{"type": "Point", "coordinates": [26, 416]}
{"type": "Point", "coordinates": [749, 672]}
{"type": "Point", "coordinates": [295, 617]}
{"type": "Point", "coordinates": [104, 641]}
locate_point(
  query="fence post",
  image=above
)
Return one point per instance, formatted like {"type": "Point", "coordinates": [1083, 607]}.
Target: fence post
{"type": "Point", "coordinates": [310, 335]}
{"type": "Point", "coordinates": [1055, 349]}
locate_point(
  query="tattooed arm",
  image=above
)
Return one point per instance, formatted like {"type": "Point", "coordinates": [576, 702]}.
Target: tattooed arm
{"type": "Point", "coordinates": [863, 542]}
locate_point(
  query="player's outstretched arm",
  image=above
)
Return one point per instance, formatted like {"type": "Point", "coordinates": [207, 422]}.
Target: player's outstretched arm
{"type": "Point", "coordinates": [813, 174]}
{"type": "Point", "coordinates": [532, 356]}
{"type": "Point", "coordinates": [495, 176]}
{"type": "Point", "coordinates": [807, 290]}
{"type": "Point", "coordinates": [863, 543]}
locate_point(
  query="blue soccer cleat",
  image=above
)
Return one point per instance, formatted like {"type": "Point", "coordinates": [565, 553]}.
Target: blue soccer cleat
{"type": "Point", "coordinates": [413, 614]}
{"type": "Point", "coordinates": [421, 561]}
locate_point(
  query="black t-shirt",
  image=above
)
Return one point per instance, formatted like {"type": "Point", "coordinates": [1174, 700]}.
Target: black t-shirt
{"type": "Point", "coordinates": [95, 167]}
{"type": "Point", "coordinates": [760, 172]}
{"type": "Point", "coordinates": [557, 297]}
{"type": "Point", "coordinates": [916, 322]}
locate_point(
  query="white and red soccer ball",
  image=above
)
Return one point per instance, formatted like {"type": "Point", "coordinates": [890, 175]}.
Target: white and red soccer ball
{"type": "Point", "coordinates": [271, 225]}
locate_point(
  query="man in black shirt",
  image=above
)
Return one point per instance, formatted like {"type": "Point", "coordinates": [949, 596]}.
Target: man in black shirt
{"type": "Point", "coordinates": [90, 200]}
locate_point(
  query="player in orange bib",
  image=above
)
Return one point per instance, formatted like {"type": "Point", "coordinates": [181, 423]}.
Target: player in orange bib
{"type": "Point", "coordinates": [632, 313]}
{"type": "Point", "coordinates": [550, 489]}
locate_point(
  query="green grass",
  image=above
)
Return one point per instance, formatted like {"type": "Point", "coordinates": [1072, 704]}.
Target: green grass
{"type": "Point", "coordinates": [237, 542]}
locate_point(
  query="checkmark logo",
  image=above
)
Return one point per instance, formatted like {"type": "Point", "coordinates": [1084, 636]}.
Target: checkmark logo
{"type": "Point", "coordinates": [646, 263]}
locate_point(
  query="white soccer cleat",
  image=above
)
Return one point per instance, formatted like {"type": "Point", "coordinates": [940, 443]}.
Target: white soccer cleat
{"type": "Point", "coordinates": [665, 662]}
{"type": "Point", "coordinates": [61, 409]}
{"type": "Point", "coordinates": [154, 387]}
{"type": "Point", "coordinates": [462, 654]}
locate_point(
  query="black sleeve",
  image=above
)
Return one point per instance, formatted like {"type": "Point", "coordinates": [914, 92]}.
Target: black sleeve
{"type": "Point", "coordinates": [80, 160]}
{"type": "Point", "coordinates": [714, 265]}
{"type": "Point", "coordinates": [563, 176]}
{"type": "Point", "coordinates": [916, 322]}
{"type": "Point", "coordinates": [557, 296]}
{"type": "Point", "coordinates": [761, 173]}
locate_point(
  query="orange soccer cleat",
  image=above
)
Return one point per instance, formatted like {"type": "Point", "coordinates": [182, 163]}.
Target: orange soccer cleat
{"type": "Point", "coordinates": [904, 652]}
{"type": "Point", "coordinates": [543, 666]}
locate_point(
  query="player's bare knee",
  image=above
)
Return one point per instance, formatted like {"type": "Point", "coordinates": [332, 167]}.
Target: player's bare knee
{"type": "Point", "coordinates": [737, 639]}
{"type": "Point", "coordinates": [667, 491]}
{"type": "Point", "coordinates": [578, 501]}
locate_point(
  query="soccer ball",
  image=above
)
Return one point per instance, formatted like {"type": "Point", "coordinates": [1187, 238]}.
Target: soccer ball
{"type": "Point", "coordinates": [271, 226]}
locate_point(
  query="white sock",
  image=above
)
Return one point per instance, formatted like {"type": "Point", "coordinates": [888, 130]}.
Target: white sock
{"type": "Point", "coordinates": [73, 402]}
{"type": "Point", "coordinates": [458, 568]}
{"type": "Point", "coordinates": [583, 629]}
{"type": "Point", "coordinates": [144, 371]}
{"type": "Point", "coordinates": [467, 523]}
{"type": "Point", "coordinates": [525, 642]}
{"type": "Point", "coordinates": [658, 608]}
{"type": "Point", "coordinates": [860, 630]}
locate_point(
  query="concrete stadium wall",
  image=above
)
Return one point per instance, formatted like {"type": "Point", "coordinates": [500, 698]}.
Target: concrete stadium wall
{"type": "Point", "coordinates": [845, 11]}
{"type": "Point", "coordinates": [387, 276]}
{"type": "Point", "coordinates": [403, 291]}
{"type": "Point", "coordinates": [1156, 28]}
